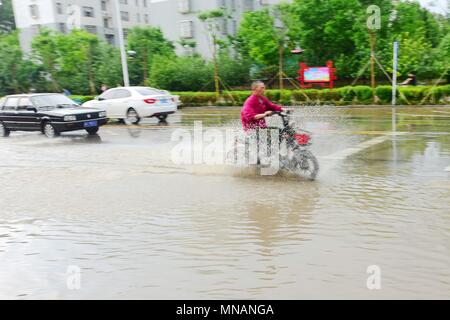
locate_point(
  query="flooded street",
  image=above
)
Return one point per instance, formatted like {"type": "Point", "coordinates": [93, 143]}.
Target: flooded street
{"type": "Point", "coordinates": [115, 211]}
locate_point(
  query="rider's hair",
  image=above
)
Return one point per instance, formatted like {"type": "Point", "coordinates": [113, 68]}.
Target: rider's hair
{"type": "Point", "coordinates": [255, 84]}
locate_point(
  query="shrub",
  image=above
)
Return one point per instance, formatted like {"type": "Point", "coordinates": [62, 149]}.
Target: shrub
{"type": "Point", "coordinates": [285, 97]}
{"type": "Point", "coordinates": [328, 95]}
{"type": "Point", "coordinates": [363, 93]}
{"type": "Point", "coordinates": [81, 99]}
{"type": "Point", "coordinates": [197, 98]}
{"type": "Point", "coordinates": [313, 94]}
{"type": "Point", "coordinates": [438, 93]}
{"type": "Point", "coordinates": [236, 97]}
{"type": "Point", "coordinates": [414, 95]}
{"type": "Point", "coordinates": [299, 96]}
{"type": "Point", "coordinates": [273, 95]}
{"type": "Point", "coordinates": [384, 93]}
{"type": "Point", "coordinates": [347, 93]}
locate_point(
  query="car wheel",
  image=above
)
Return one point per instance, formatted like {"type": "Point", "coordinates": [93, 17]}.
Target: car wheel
{"type": "Point", "coordinates": [50, 131]}
{"type": "Point", "coordinates": [132, 117]}
{"type": "Point", "coordinates": [92, 131]}
{"type": "Point", "coordinates": [162, 117]}
{"type": "Point", "coordinates": [4, 132]}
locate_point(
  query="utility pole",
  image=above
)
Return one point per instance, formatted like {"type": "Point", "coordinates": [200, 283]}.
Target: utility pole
{"type": "Point", "coordinates": [394, 74]}
{"type": "Point", "coordinates": [126, 78]}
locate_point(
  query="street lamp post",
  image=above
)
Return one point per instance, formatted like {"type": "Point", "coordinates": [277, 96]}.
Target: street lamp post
{"type": "Point", "coordinates": [126, 78]}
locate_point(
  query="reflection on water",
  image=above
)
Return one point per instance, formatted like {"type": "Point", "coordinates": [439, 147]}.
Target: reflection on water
{"type": "Point", "coordinates": [139, 226]}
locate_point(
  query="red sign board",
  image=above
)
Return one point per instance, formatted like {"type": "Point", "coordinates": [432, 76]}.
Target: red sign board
{"type": "Point", "coordinates": [323, 76]}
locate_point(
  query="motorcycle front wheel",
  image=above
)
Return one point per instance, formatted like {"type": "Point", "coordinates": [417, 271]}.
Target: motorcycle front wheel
{"type": "Point", "coordinates": [304, 164]}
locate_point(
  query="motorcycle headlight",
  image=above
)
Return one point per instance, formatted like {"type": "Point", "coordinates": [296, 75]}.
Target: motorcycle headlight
{"type": "Point", "coordinates": [70, 118]}
{"type": "Point", "coordinates": [102, 114]}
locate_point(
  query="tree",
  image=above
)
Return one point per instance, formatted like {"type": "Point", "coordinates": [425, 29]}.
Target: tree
{"type": "Point", "coordinates": [77, 61]}
{"type": "Point", "coordinates": [146, 42]}
{"type": "Point", "coordinates": [181, 73]}
{"type": "Point", "coordinates": [77, 56]}
{"type": "Point", "coordinates": [109, 67]}
{"type": "Point", "coordinates": [329, 29]}
{"type": "Point", "coordinates": [46, 52]}
{"type": "Point", "coordinates": [257, 37]}
{"type": "Point", "coordinates": [16, 74]}
{"type": "Point", "coordinates": [441, 58]}
{"type": "Point", "coordinates": [211, 20]}
{"type": "Point", "coordinates": [234, 71]}
{"type": "Point", "coordinates": [7, 23]}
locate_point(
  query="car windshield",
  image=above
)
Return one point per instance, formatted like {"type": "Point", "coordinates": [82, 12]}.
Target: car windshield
{"type": "Point", "coordinates": [150, 91]}
{"type": "Point", "coordinates": [52, 101]}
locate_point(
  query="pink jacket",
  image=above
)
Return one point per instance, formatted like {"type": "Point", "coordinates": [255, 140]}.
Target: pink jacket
{"type": "Point", "coordinates": [256, 105]}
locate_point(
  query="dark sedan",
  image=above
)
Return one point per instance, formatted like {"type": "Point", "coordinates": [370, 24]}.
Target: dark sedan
{"type": "Point", "coordinates": [50, 113]}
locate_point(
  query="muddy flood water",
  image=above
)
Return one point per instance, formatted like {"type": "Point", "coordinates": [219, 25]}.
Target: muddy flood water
{"type": "Point", "coordinates": [113, 217]}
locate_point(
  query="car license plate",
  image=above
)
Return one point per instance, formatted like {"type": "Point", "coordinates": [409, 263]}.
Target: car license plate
{"type": "Point", "coordinates": [89, 124]}
{"type": "Point", "coordinates": [164, 101]}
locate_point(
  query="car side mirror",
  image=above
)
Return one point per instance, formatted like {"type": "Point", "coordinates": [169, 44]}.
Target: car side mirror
{"type": "Point", "coordinates": [31, 108]}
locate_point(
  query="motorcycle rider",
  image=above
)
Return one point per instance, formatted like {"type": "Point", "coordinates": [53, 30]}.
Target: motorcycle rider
{"type": "Point", "coordinates": [257, 107]}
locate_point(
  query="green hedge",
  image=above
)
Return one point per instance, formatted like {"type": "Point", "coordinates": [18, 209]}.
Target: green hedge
{"type": "Point", "coordinates": [356, 95]}
{"type": "Point", "coordinates": [197, 98]}
{"type": "Point", "coordinates": [81, 99]}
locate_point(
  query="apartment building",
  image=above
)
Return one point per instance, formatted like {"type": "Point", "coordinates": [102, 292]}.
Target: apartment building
{"type": "Point", "coordinates": [178, 19]}
{"type": "Point", "coordinates": [95, 16]}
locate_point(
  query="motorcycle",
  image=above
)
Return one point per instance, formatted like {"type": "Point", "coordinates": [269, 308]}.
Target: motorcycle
{"type": "Point", "coordinates": [297, 158]}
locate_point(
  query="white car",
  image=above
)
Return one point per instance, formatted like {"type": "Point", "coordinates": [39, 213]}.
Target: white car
{"type": "Point", "coordinates": [134, 103]}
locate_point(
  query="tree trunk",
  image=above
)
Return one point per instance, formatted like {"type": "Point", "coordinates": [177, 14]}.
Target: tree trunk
{"type": "Point", "coordinates": [216, 69]}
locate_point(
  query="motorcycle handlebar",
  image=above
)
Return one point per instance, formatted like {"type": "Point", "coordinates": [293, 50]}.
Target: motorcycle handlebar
{"type": "Point", "coordinates": [284, 113]}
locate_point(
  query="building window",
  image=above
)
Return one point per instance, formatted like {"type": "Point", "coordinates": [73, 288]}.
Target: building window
{"type": "Point", "coordinates": [186, 29]}
{"type": "Point", "coordinates": [234, 27]}
{"type": "Point", "coordinates": [264, 2]}
{"type": "Point", "coordinates": [125, 16]}
{"type": "Point", "coordinates": [138, 17]}
{"type": "Point", "coordinates": [34, 10]}
{"type": "Point", "coordinates": [91, 29]}
{"type": "Point", "coordinates": [104, 5]}
{"type": "Point", "coordinates": [221, 3]}
{"type": "Point", "coordinates": [110, 39]}
{"type": "Point", "coordinates": [137, 3]}
{"type": "Point", "coordinates": [106, 22]}
{"type": "Point", "coordinates": [59, 8]}
{"type": "Point", "coordinates": [124, 1]}
{"type": "Point", "coordinates": [146, 18]}
{"type": "Point", "coordinates": [145, 3]}
{"type": "Point", "coordinates": [88, 12]}
{"type": "Point", "coordinates": [248, 5]}
{"type": "Point", "coordinates": [62, 27]}
{"type": "Point", "coordinates": [184, 6]}
{"type": "Point", "coordinates": [224, 27]}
